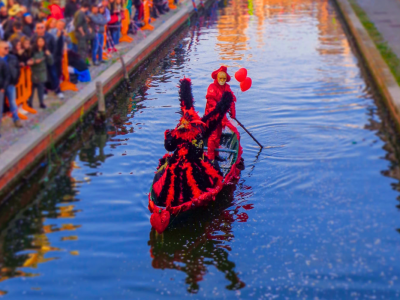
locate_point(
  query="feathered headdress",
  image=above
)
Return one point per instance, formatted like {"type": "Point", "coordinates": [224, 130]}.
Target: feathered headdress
{"type": "Point", "coordinates": [190, 124]}
{"type": "Point", "coordinates": [185, 94]}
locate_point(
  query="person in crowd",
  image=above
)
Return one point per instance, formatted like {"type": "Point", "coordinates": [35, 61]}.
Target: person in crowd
{"type": "Point", "coordinates": [3, 15]}
{"type": "Point", "coordinates": [24, 10]}
{"type": "Point", "coordinates": [106, 13]}
{"type": "Point", "coordinates": [17, 31]}
{"type": "Point", "coordinates": [161, 6]}
{"type": "Point", "coordinates": [59, 30]}
{"type": "Point", "coordinates": [41, 14]}
{"type": "Point", "coordinates": [14, 14]}
{"type": "Point", "coordinates": [61, 37]}
{"type": "Point", "coordinates": [56, 11]}
{"type": "Point", "coordinates": [41, 58]}
{"type": "Point", "coordinates": [53, 79]}
{"type": "Point", "coordinates": [97, 23]}
{"type": "Point", "coordinates": [139, 12]}
{"type": "Point", "coordinates": [26, 46]}
{"type": "Point", "coordinates": [116, 11]}
{"type": "Point", "coordinates": [28, 27]}
{"type": "Point", "coordinates": [51, 23]}
{"type": "Point", "coordinates": [70, 9]}
{"type": "Point", "coordinates": [16, 11]}
{"type": "Point", "coordinates": [13, 71]}
{"type": "Point", "coordinates": [18, 51]}
{"type": "Point", "coordinates": [82, 30]}
{"type": "Point", "coordinates": [4, 78]}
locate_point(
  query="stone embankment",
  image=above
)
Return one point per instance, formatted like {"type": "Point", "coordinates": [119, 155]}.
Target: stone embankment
{"type": "Point", "coordinates": [21, 149]}
{"type": "Point", "coordinates": [375, 27]}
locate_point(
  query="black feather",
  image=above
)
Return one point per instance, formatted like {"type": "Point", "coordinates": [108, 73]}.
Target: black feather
{"type": "Point", "coordinates": [214, 118]}
{"type": "Point", "coordinates": [185, 93]}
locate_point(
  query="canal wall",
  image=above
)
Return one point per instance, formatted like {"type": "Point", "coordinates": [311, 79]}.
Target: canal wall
{"type": "Point", "coordinates": [380, 71]}
{"type": "Point", "coordinates": [22, 156]}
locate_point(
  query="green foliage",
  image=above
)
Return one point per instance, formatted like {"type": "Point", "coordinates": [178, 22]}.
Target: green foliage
{"type": "Point", "coordinates": [388, 55]}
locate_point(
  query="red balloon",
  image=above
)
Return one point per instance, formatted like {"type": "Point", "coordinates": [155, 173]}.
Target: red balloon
{"type": "Point", "coordinates": [245, 84]}
{"type": "Point", "coordinates": [241, 74]}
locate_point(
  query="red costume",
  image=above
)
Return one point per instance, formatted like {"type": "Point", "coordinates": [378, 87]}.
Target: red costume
{"type": "Point", "coordinates": [186, 174]}
{"type": "Point", "coordinates": [214, 94]}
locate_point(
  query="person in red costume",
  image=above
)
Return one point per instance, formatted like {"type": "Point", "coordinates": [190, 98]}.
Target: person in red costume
{"type": "Point", "coordinates": [214, 94]}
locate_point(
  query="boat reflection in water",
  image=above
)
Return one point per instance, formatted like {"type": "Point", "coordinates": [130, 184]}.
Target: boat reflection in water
{"type": "Point", "coordinates": [201, 240]}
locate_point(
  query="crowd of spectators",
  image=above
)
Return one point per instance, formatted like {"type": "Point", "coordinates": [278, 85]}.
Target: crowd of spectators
{"type": "Point", "coordinates": [37, 34]}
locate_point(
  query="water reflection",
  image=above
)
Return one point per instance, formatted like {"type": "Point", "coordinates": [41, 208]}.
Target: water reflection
{"type": "Point", "coordinates": [311, 217]}
{"type": "Point", "coordinates": [25, 241]}
{"type": "Point", "coordinates": [46, 205]}
{"type": "Point", "coordinates": [37, 211]}
{"type": "Point", "coordinates": [206, 243]}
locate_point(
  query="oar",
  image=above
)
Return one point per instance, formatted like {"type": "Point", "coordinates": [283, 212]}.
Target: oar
{"type": "Point", "coordinates": [241, 125]}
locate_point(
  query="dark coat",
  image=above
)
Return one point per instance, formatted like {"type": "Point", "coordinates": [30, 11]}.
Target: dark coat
{"type": "Point", "coordinates": [39, 70]}
{"type": "Point", "coordinates": [13, 69]}
{"type": "Point", "coordinates": [24, 57]}
{"type": "Point", "coordinates": [97, 22]}
{"type": "Point", "coordinates": [8, 27]}
{"type": "Point", "coordinates": [4, 75]}
{"type": "Point", "coordinates": [59, 51]}
{"type": "Point", "coordinates": [28, 29]}
{"type": "Point", "coordinates": [70, 9]}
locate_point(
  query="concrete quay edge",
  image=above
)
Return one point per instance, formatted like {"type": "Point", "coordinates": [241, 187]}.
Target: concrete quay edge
{"type": "Point", "coordinates": [376, 65]}
{"type": "Point", "coordinates": [24, 153]}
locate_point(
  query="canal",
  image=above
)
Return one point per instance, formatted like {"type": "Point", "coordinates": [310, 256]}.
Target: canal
{"type": "Point", "coordinates": [313, 215]}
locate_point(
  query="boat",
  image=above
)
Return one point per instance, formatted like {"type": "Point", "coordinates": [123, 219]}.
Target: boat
{"type": "Point", "coordinates": [231, 150]}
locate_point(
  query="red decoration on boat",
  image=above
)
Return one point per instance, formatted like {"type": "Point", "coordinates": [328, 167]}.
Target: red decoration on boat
{"type": "Point", "coordinates": [246, 84]}
{"type": "Point", "coordinates": [160, 220]}
{"type": "Point", "coordinates": [241, 74]}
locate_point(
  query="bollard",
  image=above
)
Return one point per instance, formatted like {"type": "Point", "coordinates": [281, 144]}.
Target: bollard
{"type": "Point", "coordinates": [101, 104]}
{"type": "Point", "coordinates": [126, 76]}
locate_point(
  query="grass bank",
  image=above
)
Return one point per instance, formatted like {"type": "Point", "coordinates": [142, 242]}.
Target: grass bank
{"type": "Point", "coordinates": [388, 55]}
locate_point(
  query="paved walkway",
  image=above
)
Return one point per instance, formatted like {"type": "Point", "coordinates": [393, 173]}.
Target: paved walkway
{"type": "Point", "coordinates": [10, 134]}
{"type": "Point", "coordinates": [385, 14]}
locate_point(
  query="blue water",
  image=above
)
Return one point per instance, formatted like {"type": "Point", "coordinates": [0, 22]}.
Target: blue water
{"type": "Point", "coordinates": [313, 216]}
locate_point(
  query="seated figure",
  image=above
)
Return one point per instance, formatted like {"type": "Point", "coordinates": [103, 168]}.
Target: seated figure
{"type": "Point", "coordinates": [187, 173]}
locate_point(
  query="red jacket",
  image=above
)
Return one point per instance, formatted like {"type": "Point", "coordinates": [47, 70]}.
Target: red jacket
{"type": "Point", "coordinates": [214, 94]}
{"type": "Point", "coordinates": [56, 12]}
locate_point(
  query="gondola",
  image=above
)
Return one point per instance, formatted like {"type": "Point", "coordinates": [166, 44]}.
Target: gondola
{"type": "Point", "coordinates": [231, 150]}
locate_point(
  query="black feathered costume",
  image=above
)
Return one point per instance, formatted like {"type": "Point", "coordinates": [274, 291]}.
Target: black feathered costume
{"type": "Point", "coordinates": [187, 173]}
{"type": "Point", "coordinates": [187, 177]}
